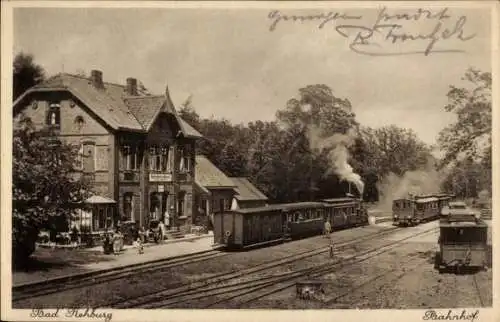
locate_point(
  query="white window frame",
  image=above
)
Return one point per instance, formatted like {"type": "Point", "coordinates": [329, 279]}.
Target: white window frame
{"type": "Point", "coordinates": [132, 152]}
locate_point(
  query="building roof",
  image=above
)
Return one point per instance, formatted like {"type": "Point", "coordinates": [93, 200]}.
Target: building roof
{"type": "Point", "coordinates": [457, 203]}
{"type": "Point", "coordinates": [424, 200]}
{"type": "Point", "coordinates": [113, 105]}
{"type": "Point", "coordinates": [99, 200]}
{"type": "Point", "coordinates": [338, 200]}
{"type": "Point", "coordinates": [246, 190]}
{"type": "Point", "coordinates": [209, 176]}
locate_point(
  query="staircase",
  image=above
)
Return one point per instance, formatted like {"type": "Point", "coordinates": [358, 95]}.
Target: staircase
{"type": "Point", "coordinates": [174, 234]}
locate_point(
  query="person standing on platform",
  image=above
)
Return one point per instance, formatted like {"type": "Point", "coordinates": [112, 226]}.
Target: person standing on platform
{"type": "Point", "coordinates": [167, 220]}
{"type": "Point", "coordinates": [117, 241]}
{"type": "Point", "coordinates": [328, 229]}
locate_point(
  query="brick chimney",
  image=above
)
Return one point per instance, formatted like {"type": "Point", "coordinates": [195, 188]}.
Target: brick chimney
{"type": "Point", "coordinates": [131, 86]}
{"type": "Point", "coordinates": [96, 76]}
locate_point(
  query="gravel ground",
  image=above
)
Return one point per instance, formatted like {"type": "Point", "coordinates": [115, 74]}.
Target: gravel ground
{"type": "Point", "coordinates": [100, 295]}
{"type": "Point", "coordinates": [400, 278]}
{"type": "Point", "coordinates": [407, 280]}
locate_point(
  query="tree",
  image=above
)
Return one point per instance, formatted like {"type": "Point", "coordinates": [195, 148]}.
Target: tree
{"type": "Point", "coordinates": [25, 74]}
{"type": "Point", "coordinates": [467, 142]}
{"type": "Point", "coordinates": [323, 126]}
{"type": "Point", "coordinates": [391, 149]}
{"type": "Point", "coordinates": [470, 135]}
{"type": "Point", "coordinates": [46, 189]}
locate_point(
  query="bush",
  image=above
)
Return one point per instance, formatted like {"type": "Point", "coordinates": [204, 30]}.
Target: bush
{"type": "Point", "coordinates": [23, 242]}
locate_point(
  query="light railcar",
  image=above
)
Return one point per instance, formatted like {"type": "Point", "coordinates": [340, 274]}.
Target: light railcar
{"type": "Point", "coordinates": [253, 227]}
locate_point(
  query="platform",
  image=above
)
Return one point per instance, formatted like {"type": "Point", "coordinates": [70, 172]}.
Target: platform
{"type": "Point", "coordinates": [50, 263]}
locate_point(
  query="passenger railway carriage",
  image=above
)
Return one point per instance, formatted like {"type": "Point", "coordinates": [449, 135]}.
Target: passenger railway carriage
{"type": "Point", "coordinates": [463, 238]}
{"type": "Point", "coordinates": [274, 223]}
{"type": "Point", "coordinates": [417, 209]}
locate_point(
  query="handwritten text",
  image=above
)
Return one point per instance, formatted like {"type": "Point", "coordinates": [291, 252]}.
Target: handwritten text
{"type": "Point", "coordinates": [389, 33]}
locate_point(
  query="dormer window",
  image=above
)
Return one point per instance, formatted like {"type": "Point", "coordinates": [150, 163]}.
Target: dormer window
{"type": "Point", "coordinates": [53, 115]}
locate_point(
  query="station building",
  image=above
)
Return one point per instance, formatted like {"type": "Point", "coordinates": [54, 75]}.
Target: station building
{"type": "Point", "coordinates": [214, 190]}
{"type": "Point", "coordinates": [135, 148]}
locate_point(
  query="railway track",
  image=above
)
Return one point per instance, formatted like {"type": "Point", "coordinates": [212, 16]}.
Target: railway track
{"type": "Point", "coordinates": [191, 288]}
{"type": "Point", "coordinates": [399, 272]}
{"type": "Point", "coordinates": [230, 283]}
{"type": "Point", "coordinates": [251, 294]}
{"type": "Point", "coordinates": [32, 290]}
{"type": "Point", "coordinates": [478, 290]}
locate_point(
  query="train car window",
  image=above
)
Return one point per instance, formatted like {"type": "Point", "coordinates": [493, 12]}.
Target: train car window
{"type": "Point", "coordinates": [463, 235]}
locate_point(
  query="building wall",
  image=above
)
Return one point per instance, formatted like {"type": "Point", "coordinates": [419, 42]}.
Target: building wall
{"type": "Point", "coordinates": [91, 131]}
{"type": "Point", "coordinates": [109, 175]}
{"type": "Point", "coordinates": [220, 196]}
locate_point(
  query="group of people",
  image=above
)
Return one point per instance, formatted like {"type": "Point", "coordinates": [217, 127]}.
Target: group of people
{"type": "Point", "coordinates": [113, 242]}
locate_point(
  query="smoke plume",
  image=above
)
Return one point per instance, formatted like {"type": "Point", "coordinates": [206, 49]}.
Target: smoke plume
{"type": "Point", "coordinates": [336, 147]}
{"type": "Point", "coordinates": [422, 181]}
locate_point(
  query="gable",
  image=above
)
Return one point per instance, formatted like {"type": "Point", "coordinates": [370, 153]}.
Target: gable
{"type": "Point", "coordinates": [74, 117]}
{"type": "Point", "coordinates": [163, 127]}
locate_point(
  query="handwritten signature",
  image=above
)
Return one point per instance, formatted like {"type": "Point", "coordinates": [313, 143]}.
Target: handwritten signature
{"type": "Point", "coordinates": [388, 29]}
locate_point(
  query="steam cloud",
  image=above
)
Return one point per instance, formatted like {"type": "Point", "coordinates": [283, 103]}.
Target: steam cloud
{"type": "Point", "coordinates": [423, 181]}
{"type": "Point", "coordinates": [338, 154]}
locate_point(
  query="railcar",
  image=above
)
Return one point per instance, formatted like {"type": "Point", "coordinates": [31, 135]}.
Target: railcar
{"type": "Point", "coordinates": [248, 227]}
{"type": "Point", "coordinates": [345, 212]}
{"type": "Point", "coordinates": [463, 238]}
{"type": "Point", "coordinates": [417, 209]}
{"type": "Point", "coordinates": [303, 219]}
{"type": "Point", "coordinates": [252, 227]}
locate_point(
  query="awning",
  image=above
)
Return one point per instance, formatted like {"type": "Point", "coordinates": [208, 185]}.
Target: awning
{"type": "Point", "coordinates": [99, 200]}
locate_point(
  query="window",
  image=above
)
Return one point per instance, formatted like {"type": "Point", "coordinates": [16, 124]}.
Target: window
{"type": "Point", "coordinates": [154, 206]}
{"type": "Point", "coordinates": [79, 122]}
{"type": "Point", "coordinates": [53, 115]}
{"type": "Point", "coordinates": [180, 203]}
{"type": "Point", "coordinates": [88, 156]}
{"type": "Point", "coordinates": [227, 204]}
{"type": "Point", "coordinates": [164, 159]}
{"type": "Point", "coordinates": [102, 218]}
{"type": "Point", "coordinates": [130, 158]}
{"type": "Point", "coordinates": [128, 206]}
{"type": "Point", "coordinates": [79, 159]}
{"type": "Point", "coordinates": [109, 217]}
{"type": "Point", "coordinates": [158, 158]}
{"type": "Point", "coordinates": [185, 159]}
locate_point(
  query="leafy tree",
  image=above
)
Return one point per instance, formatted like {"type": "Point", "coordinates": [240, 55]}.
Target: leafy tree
{"type": "Point", "coordinates": [25, 74]}
{"type": "Point", "coordinates": [470, 135]}
{"type": "Point", "coordinates": [46, 189]}
{"type": "Point", "coordinates": [391, 149]}
{"type": "Point", "coordinates": [467, 142]}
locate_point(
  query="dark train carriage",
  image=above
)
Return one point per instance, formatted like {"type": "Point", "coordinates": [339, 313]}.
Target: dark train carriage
{"type": "Point", "coordinates": [303, 219]}
{"type": "Point", "coordinates": [462, 242]}
{"type": "Point", "coordinates": [249, 227]}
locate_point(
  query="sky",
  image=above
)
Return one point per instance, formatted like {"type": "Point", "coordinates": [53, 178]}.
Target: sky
{"type": "Point", "coordinates": [236, 68]}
